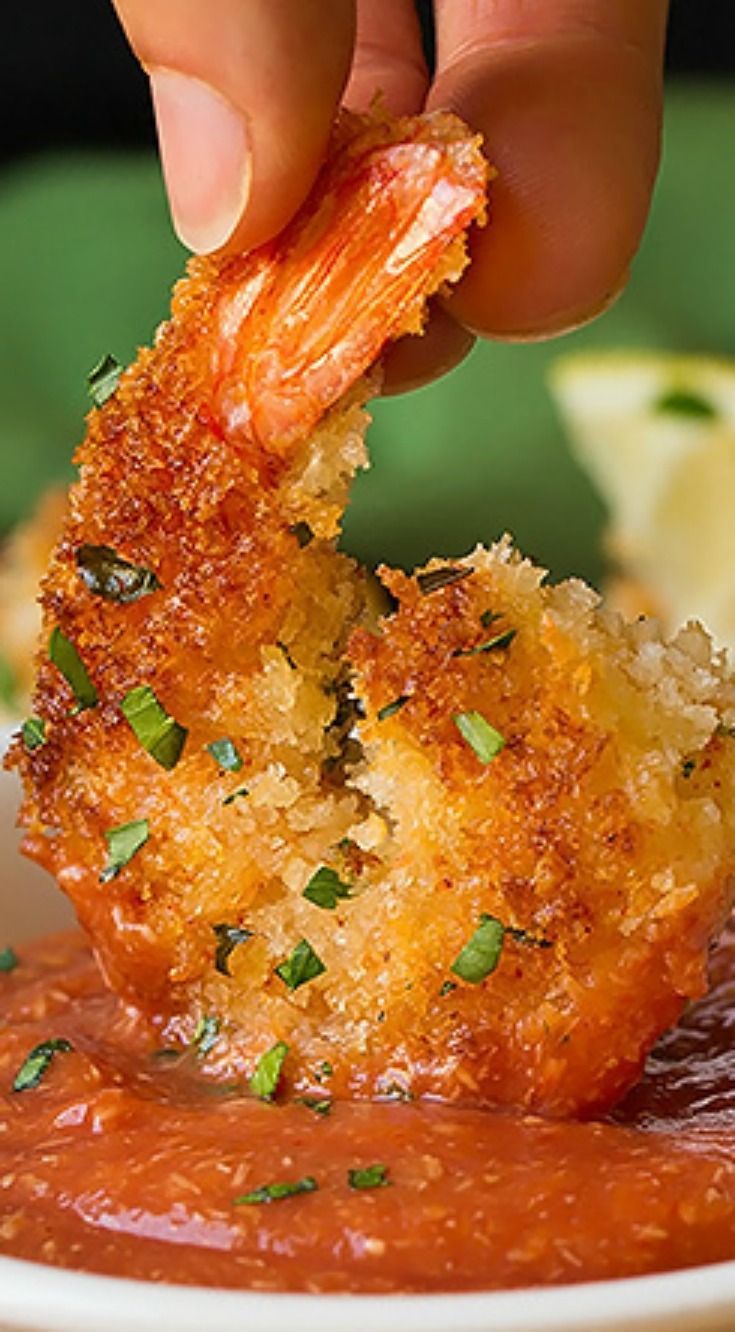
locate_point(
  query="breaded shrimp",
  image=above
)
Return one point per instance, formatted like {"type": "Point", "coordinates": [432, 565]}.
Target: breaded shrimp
{"type": "Point", "coordinates": [476, 850]}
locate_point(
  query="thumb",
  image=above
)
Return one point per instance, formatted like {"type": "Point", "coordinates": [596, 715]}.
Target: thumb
{"type": "Point", "coordinates": [245, 93]}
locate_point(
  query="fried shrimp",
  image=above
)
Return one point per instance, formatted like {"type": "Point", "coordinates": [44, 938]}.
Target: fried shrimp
{"type": "Point", "coordinates": [476, 849]}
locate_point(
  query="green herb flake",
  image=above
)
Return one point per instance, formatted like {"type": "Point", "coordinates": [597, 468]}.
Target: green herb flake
{"type": "Point", "coordinates": [270, 1193]}
{"type": "Point", "coordinates": [687, 768]}
{"type": "Point", "coordinates": [264, 1081]}
{"type": "Point", "coordinates": [158, 733]}
{"type": "Point", "coordinates": [391, 708]}
{"type": "Point", "coordinates": [8, 685]}
{"type": "Point", "coordinates": [103, 380]}
{"type": "Point", "coordinates": [64, 655]}
{"type": "Point", "coordinates": [325, 889]}
{"type": "Point", "coordinates": [481, 737]}
{"type": "Point", "coordinates": [481, 954]}
{"type": "Point", "coordinates": [33, 732]}
{"type": "Point", "coordinates": [435, 579]}
{"type": "Point", "coordinates": [106, 574]}
{"type": "Point", "coordinates": [35, 1064]}
{"type": "Point", "coordinates": [318, 1106]}
{"type": "Point", "coordinates": [303, 533]}
{"type": "Point", "coordinates": [496, 644]}
{"type": "Point", "coordinates": [167, 1053]}
{"type": "Point", "coordinates": [368, 1177]}
{"type": "Point", "coordinates": [324, 1071]}
{"type": "Point", "coordinates": [681, 402]}
{"type": "Point", "coordinates": [489, 617]}
{"type": "Point", "coordinates": [8, 960]}
{"type": "Point", "coordinates": [206, 1033]}
{"type": "Point", "coordinates": [238, 794]}
{"type": "Point", "coordinates": [228, 938]}
{"type": "Point", "coordinates": [123, 843]}
{"type": "Point", "coordinates": [225, 754]}
{"type": "Point", "coordinates": [301, 967]}
{"type": "Point", "coordinates": [447, 988]}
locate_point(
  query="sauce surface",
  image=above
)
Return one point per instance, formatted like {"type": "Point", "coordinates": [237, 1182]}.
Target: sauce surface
{"type": "Point", "coordinates": [125, 1159]}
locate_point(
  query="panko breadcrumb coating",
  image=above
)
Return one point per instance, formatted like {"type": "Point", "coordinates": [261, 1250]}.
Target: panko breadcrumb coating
{"type": "Point", "coordinates": [477, 849]}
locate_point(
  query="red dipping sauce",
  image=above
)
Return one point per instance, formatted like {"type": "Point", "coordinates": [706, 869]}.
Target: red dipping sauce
{"type": "Point", "coordinates": [126, 1161]}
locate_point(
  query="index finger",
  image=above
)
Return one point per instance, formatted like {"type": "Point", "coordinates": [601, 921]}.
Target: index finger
{"type": "Point", "coordinates": [568, 95]}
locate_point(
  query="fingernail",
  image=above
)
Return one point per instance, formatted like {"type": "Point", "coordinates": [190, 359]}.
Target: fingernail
{"type": "Point", "coordinates": [205, 156]}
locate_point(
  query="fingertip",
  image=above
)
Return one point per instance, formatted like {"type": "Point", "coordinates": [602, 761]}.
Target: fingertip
{"type": "Point", "coordinates": [413, 361]}
{"type": "Point", "coordinates": [245, 94]}
{"type": "Point", "coordinates": [573, 128]}
{"type": "Point", "coordinates": [388, 59]}
{"type": "Point", "coordinates": [205, 157]}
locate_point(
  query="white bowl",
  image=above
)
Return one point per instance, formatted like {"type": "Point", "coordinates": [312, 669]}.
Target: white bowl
{"type": "Point", "coordinates": [36, 1298]}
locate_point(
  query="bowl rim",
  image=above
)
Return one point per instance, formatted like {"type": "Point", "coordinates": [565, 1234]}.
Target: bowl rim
{"type": "Point", "coordinates": [35, 1296]}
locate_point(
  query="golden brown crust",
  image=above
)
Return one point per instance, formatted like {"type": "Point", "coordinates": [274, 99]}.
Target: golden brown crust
{"type": "Point", "coordinates": [588, 832]}
{"type": "Point", "coordinates": [583, 833]}
{"type": "Point", "coordinates": [172, 481]}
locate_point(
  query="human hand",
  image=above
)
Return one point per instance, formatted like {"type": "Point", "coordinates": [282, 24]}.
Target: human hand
{"type": "Point", "coordinates": [566, 92]}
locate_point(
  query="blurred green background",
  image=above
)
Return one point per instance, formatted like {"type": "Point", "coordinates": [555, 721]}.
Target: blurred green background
{"type": "Point", "coordinates": [87, 259]}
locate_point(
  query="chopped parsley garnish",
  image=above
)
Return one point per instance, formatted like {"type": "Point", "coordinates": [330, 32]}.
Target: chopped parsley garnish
{"type": "Point", "coordinates": [8, 959]}
{"type": "Point", "coordinates": [324, 1070]}
{"type": "Point", "coordinates": [103, 380]}
{"type": "Point", "coordinates": [495, 644]}
{"type": "Point", "coordinates": [301, 967]}
{"type": "Point", "coordinates": [237, 794]}
{"type": "Point", "coordinates": [368, 1177]}
{"type": "Point", "coordinates": [447, 988]}
{"type": "Point", "coordinates": [269, 1193]}
{"type": "Point", "coordinates": [8, 684]}
{"type": "Point", "coordinates": [122, 844]}
{"type": "Point", "coordinates": [158, 733]}
{"type": "Point", "coordinates": [325, 889]}
{"type": "Point", "coordinates": [681, 402]}
{"type": "Point", "coordinates": [391, 708]}
{"type": "Point", "coordinates": [444, 577]}
{"type": "Point", "coordinates": [206, 1033]}
{"type": "Point", "coordinates": [228, 938]}
{"type": "Point", "coordinates": [319, 1106]}
{"type": "Point", "coordinates": [33, 732]}
{"type": "Point", "coordinates": [225, 754]}
{"type": "Point", "coordinates": [64, 655]}
{"type": "Point", "coordinates": [489, 617]}
{"type": "Point", "coordinates": [35, 1064]}
{"type": "Point", "coordinates": [267, 1075]}
{"type": "Point", "coordinates": [302, 532]}
{"type": "Point", "coordinates": [687, 767]}
{"type": "Point", "coordinates": [481, 737]}
{"type": "Point", "coordinates": [108, 575]}
{"type": "Point", "coordinates": [481, 954]}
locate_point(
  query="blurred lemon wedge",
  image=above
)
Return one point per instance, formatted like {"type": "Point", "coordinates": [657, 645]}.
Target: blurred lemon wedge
{"type": "Point", "coordinates": [656, 433]}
